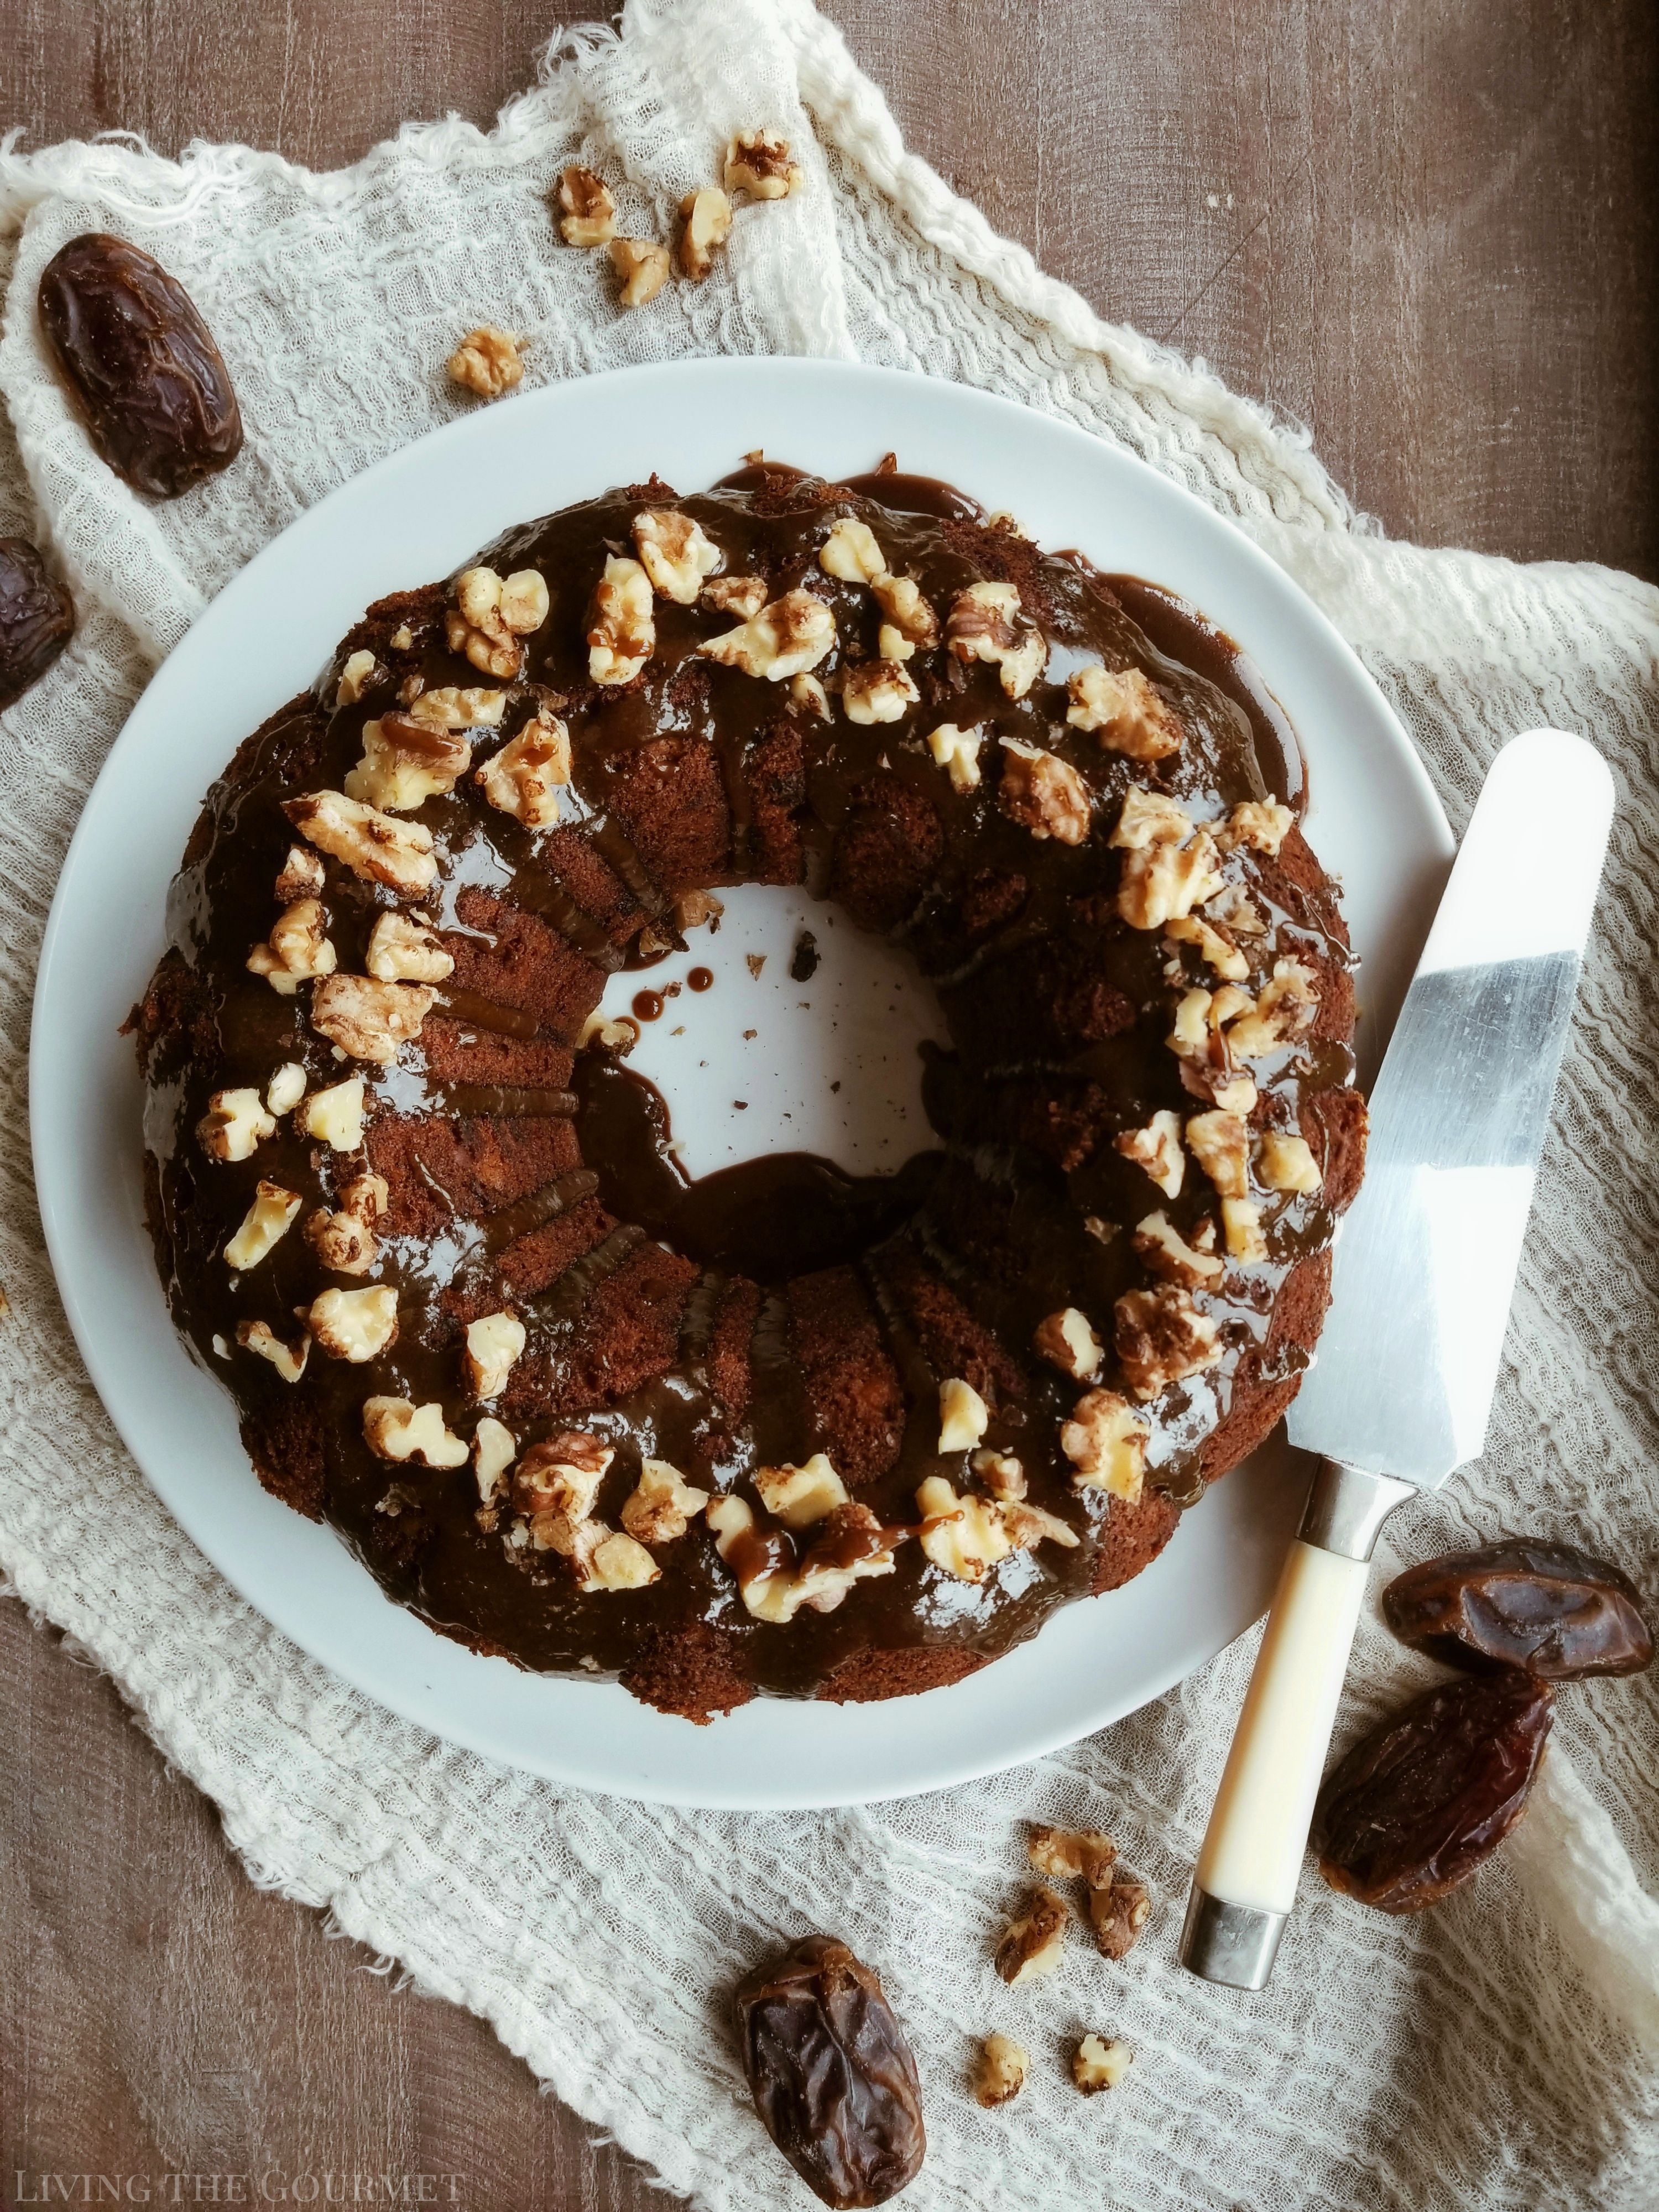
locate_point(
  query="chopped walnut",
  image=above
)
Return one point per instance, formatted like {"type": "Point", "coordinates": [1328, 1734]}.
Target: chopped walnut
{"type": "Point", "coordinates": [402, 639]}
{"type": "Point", "coordinates": [288, 1360]}
{"type": "Point", "coordinates": [963, 1416]}
{"type": "Point", "coordinates": [622, 623]}
{"type": "Point", "coordinates": [372, 845]}
{"type": "Point", "coordinates": [493, 1447]}
{"type": "Point", "coordinates": [877, 691]}
{"type": "Point", "coordinates": [784, 638]}
{"type": "Point", "coordinates": [1234, 909]}
{"type": "Point", "coordinates": [607, 1560]}
{"type": "Point", "coordinates": [344, 1240]}
{"type": "Point", "coordinates": [487, 361]}
{"type": "Point", "coordinates": [850, 552]}
{"type": "Point", "coordinates": [494, 1342]}
{"type": "Point", "coordinates": [643, 268]}
{"type": "Point", "coordinates": [964, 1536]}
{"type": "Point", "coordinates": [1106, 1442]}
{"type": "Point", "coordinates": [757, 163]}
{"type": "Point", "coordinates": [619, 1035]}
{"type": "Point", "coordinates": [1032, 1944]}
{"type": "Point", "coordinates": [742, 595]}
{"type": "Point", "coordinates": [674, 553]}
{"type": "Point", "coordinates": [1129, 716]}
{"type": "Point", "coordinates": [1216, 947]}
{"type": "Point", "coordinates": [986, 623]}
{"type": "Point", "coordinates": [1027, 1526]}
{"type": "Point", "coordinates": [234, 1125]}
{"type": "Point", "coordinates": [1162, 1338]}
{"type": "Point", "coordinates": [1148, 818]}
{"type": "Point", "coordinates": [402, 950]}
{"type": "Point", "coordinates": [1162, 883]}
{"type": "Point", "coordinates": [1119, 1913]}
{"type": "Point", "coordinates": [1042, 792]}
{"type": "Point", "coordinates": [1220, 1143]}
{"type": "Point", "coordinates": [356, 677]}
{"type": "Point", "coordinates": [589, 216]}
{"type": "Point", "coordinates": [1285, 1010]}
{"type": "Point", "coordinates": [355, 1325]}
{"type": "Point", "coordinates": [810, 695]}
{"type": "Point", "coordinates": [799, 1496]}
{"type": "Point", "coordinates": [394, 1429]}
{"type": "Point", "coordinates": [1241, 1222]}
{"type": "Point", "coordinates": [1286, 1162]}
{"type": "Point", "coordinates": [1165, 1252]}
{"type": "Point", "coordinates": [561, 1475]}
{"type": "Point", "coordinates": [1073, 1855]}
{"type": "Point", "coordinates": [663, 1505]}
{"type": "Point", "coordinates": [908, 613]}
{"type": "Point", "coordinates": [302, 876]}
{"type": "Point", "coordinates": [1157, 1149]}
{"type": "Point", "coordinates": [705, 226]}
{"type": "Point", "coordinates": [334, 1116]}
{"type": "Point", "coordinates": [855, 1546]}
{"type": "Point", "coordinates": [369, 1020]}
{"type": "Point", "coordinates": [1098, 2064]}
{"type": "Point", "coordinates": [1066, 1341]}
{"type": "Point", "coordinates": [286, 1088]}
{"type": "Point", "coordinates": [1000, 1473]}
{"type": "Point", "coordinates": [1262, 824]}
{"type": "Point", "coordinates": [999, 2072]}
{"type": "Point", "coordinates": [264, 1225]}
{"type": "Point", "coordinates": [957, 751]}
{"type": "Point", "coordinates": [460, 707]}
{"type": "Point", "coordinates": [693, 908]}
{"type": "Point", "coordinates": [524, 778]}
{"type": "Point", "coordinates": [298, 947]}
{"type": "Point", "coordinates": [1201, 1037]}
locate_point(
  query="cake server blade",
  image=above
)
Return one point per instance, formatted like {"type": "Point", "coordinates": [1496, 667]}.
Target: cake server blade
{"type": "Point", "coordinates": [1426, 1262]}
{"type": "Point", "coordinates": [1423, 1272]}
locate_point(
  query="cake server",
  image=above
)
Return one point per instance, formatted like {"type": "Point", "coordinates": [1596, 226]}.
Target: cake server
{"type": "Point", "coordinates": [1423, 1272]}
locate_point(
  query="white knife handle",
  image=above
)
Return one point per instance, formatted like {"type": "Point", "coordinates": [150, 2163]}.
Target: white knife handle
{"type": "Point", "coordinates": [1251, 1860]}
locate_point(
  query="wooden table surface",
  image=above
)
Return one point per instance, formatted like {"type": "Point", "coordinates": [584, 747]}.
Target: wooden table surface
{"type": "Point", "coordinates": [1426, 228]}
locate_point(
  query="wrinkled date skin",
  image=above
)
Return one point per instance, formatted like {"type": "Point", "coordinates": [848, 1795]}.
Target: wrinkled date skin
{"type": "Point", "coordinates": [152, 387]}
{"type": "Point", "coordinates": [37, 617]}
{"type": "Point", "coordinates": [832, 2075]}
{"type": "Point", "coordinates": [1417, 1805]}
{"type": "Point", "coordinates": [1547, 1609]}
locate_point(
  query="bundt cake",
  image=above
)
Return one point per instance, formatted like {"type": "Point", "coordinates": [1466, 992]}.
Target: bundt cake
{"type": "Point", "coordinates": [414, 1213]}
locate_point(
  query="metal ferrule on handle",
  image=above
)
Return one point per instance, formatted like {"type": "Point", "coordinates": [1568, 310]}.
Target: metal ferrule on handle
{"type": "Point", "coordinates": [1251, 1860]}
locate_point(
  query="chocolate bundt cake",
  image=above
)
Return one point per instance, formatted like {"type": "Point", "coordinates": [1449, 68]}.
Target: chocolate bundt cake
{"type": "Point", "coordinates": [826, 1437]}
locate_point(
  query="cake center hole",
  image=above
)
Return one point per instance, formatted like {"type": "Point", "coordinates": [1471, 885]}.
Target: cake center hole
{"type": "Point", "coordinates": [764, 1117]}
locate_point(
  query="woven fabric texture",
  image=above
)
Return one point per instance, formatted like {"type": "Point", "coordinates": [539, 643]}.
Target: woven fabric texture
{"type": "Point", "coordinates": [1497, 2053]}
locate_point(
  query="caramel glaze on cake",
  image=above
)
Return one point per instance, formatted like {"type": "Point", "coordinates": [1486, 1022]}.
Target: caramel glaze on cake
{"type": "Point", "coordinates": [1121, 923]}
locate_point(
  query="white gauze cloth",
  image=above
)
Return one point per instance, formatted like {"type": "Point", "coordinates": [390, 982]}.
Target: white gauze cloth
{"type": "Point", "coordinates": [1497, 2052]}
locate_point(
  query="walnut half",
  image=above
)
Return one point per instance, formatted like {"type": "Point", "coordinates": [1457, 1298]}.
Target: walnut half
{"type": "Point", "coordinates": [757, 163]}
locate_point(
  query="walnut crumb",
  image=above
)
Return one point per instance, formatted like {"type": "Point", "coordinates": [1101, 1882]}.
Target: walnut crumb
{"type": "Point", "coordinates": [488, 362]}
{"type": "Point", "coordinates": [999, 2072]}
{"type": "Point", "coordinates": [588, 208]}
{"type": "Point", "coordinates": [1161, 1338]}
{"type": "Point", "coordinates": [1073, 1855]}
{"type": "Point", "coordinates": [1032, 1944]}
{"type": "Point", "coordinates": [1099, 2064]}
{"type": "Point", "coordinates": [757, 163]}
{"type": "Point", "coordinates": [643, 268]}
{"type": "Point", "coordinates": [705, 226]}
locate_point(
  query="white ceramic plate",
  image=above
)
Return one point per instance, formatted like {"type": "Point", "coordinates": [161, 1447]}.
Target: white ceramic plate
{"type": "Point", "coordinates": [1373, 819]}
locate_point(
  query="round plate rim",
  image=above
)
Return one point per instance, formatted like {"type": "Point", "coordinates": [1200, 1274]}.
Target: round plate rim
{"type": "Point", "coordinates": [864, 1752]}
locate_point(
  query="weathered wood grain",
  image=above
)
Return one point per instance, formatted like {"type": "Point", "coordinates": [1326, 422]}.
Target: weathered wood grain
{"type": "Point", "coordinates": [1427, 229]}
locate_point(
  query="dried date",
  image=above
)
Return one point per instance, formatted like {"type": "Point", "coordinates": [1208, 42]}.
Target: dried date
{"type": "Point", "coordinates": [1418, 1804]}
{"type": "Point", "coordinates": [37, 617]}
{"type": "Point", "coordinates": [833, 2076]}
{"type": "Point", "coordinates": [151, 384]}
{"type": "Point", "coordinates": [1548, 1608]}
